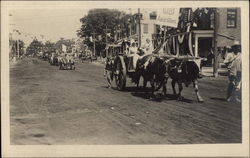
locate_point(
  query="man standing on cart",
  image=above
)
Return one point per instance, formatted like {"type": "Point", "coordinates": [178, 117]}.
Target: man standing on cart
{"type": "Point", "coordinates": [147, 48]}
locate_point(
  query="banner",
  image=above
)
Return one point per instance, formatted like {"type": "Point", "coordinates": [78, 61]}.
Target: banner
{"type": "Point", "coordinates": [168, 17]}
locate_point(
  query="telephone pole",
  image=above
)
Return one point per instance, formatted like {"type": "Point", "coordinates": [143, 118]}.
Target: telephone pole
{"type": "Point", "coordinates": [94, 41]}
{"type": "Point", "coordinates": [106, 38]}
{"type": "Point", "coordinates": [18, 51]}
{"type": "Point", "coordinates": [215, 63]}
{"type": "Point", "coordinates": [139, 23]}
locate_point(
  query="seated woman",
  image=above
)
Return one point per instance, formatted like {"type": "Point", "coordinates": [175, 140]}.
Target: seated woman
{"type": "Point", "coordinates": [133, 56]}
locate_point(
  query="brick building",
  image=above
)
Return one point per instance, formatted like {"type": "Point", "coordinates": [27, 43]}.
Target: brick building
{"type": "Point", "coordinates": [229, 26]}
{"type": "Point", "coordinates": [228, 22]}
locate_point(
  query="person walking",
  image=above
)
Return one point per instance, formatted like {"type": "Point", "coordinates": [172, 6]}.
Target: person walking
{"type": "Point", "coordinates": [108, 71]}
{"type": "Point", "coordinates": [233, 63]}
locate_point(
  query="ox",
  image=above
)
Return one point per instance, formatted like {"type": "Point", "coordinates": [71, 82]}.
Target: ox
{"type": "Point", "coordinates": [182, 71]}
{"type": "Point", "coordinates": [153, 70]}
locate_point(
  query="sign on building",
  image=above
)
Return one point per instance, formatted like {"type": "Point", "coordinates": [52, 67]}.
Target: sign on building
{"type": "Point", "coordinates": [168, 17]}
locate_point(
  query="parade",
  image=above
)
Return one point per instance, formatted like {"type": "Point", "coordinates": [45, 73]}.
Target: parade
{"type": "Point", "coordinates": [115, 83]}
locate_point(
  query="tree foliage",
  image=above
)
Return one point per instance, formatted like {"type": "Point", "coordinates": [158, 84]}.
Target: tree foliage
{"type": "Point", "coordinates": [14, 46]}
{"type": "Point", "coordinates": [35, 47]}
{"type": "Point", "coordinates": [49, 46]}
{"type": "Point", "coordinates": [96, 21]}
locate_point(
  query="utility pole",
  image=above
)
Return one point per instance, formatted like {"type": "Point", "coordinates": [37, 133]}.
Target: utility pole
{"type": "Point", "coordinates": [215, 63]}
{"type": "Point", "coordinates": [106, 38]}
{"type": "Point", "coordinates": [139, 23]}
{"type": "Point", "coordinates": [18, 52]}
{"type": "Point", "coordinates": [94, 41]}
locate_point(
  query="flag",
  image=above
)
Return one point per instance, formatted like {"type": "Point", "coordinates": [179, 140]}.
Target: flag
{"type": "Point", "coordinates": [168, 17]}
{"type": "Point", "coordinates": [91, 39]}
{"type": "Point", "coordinates": [64, 48]}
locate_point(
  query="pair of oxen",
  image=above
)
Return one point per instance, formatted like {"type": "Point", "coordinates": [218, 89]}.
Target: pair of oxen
{"type": "Point", "coordinates": [157, 70]}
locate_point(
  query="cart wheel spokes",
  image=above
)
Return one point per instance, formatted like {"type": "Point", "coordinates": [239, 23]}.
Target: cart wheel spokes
{"type": "Point", "coordinates": [120, 76]}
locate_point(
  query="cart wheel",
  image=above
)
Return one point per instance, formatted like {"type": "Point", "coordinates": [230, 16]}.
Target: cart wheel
{"type": "Point", "coordinates": [120, 74]}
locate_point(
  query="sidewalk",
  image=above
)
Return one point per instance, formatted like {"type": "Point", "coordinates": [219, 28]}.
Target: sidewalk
{"type": "Point", "coordinates": [208, 71]}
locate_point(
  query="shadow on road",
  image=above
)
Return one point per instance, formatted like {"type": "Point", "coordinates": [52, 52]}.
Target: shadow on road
{"type": "Point", "coordinates": [82, 81]}
{"type": "Point", "coordinates": [158, 97]}
{"type": "Point", "coordinates": [224, 100]}
{"type": "Point", "coordinates": [218, 99]}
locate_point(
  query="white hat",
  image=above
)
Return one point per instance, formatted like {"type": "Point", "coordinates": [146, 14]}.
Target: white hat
{"type": "Point", "coordinates": [132, 41]}
{"type": "Point", "coordinates": [236, 42]}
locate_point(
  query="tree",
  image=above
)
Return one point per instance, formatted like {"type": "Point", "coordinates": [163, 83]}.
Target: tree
{"type": "Point", "coordinates": [96, 21]}
{"type": "Point", "coordinates": [13, 47]}
{"type": "Point", "coordinates": [35, 47]}
{"type": "Point", "coordinates": [49, 46]}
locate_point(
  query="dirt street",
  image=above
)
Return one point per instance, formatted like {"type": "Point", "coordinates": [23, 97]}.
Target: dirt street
{"type": "Point", "coordinates": [52, 106]}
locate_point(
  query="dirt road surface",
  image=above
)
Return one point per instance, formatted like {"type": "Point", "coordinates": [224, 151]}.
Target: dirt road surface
{"type": "Point", "coordinates": [52, 106]}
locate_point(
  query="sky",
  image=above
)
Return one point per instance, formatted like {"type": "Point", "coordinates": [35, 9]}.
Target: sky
{"type": "Point", "coordinates": [48, 24]}
{"type": "Point", "coordinates": [52, 24]}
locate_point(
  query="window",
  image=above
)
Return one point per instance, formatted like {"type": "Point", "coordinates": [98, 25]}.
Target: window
{"type": "Point", "coordinates": [153, 15]}
{"type": "Point", "coordinates": [231, 18]}
{"type": "Point", "coordinates": [212, 20]}
{"type": "Point", "coordinates": [145, 28]}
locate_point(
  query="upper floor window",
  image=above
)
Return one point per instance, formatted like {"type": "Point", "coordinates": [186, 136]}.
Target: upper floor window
{"type": "Point", "coordinates": [231, 18]}
{"type": "Point", "coordinates": [153, 15]}
{"type": "Point", "coordinates": [145, 28]}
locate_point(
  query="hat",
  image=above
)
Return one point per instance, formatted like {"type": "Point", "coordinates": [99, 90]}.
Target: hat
{"type": "Point", "coordinates": [236, 46]}
{"type": "Point", "coordinates": [236, 42]}
{"type": "Point", "coordinates": [132, 41]}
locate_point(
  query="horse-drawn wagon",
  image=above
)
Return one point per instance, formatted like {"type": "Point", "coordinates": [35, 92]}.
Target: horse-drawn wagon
{"type": "Point", "coordinates": [122, 66]}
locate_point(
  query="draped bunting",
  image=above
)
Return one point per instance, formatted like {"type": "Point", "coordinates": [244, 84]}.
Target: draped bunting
{"type": "Point", "coordinates": [190, 44]}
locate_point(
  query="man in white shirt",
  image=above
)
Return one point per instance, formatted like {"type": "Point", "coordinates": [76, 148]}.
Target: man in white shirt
{"type": "Point", "coordinates": [147, 47]}
{"type": "Point", "coordinates": [233, 62]}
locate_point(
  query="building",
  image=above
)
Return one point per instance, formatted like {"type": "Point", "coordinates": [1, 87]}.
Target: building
{"type": "Point", "coordinates": [228, 30]}
{"type": "Point", "coordinates": [228, 24]}
{"type": "Point", "coordinates": [145, 27]}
